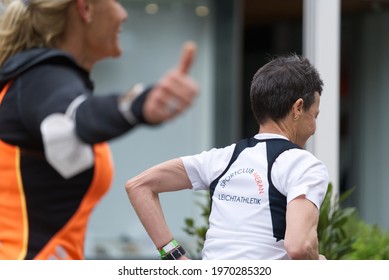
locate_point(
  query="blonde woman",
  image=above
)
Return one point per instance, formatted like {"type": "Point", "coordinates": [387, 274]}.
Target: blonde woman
{"type": "Point", "coordinates": [54, 160]}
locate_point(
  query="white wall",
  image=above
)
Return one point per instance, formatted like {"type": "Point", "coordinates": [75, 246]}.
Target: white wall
{"type": "Point", "coordinates": [321, 45]}
{"type": "Point", "coordinates": [370, 118]}
{"type": "Point", "coordinates": [152, 44]}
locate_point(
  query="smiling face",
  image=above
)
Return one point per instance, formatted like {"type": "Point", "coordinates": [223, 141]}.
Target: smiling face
{"type": "Point", "coordinates": [102, 36]}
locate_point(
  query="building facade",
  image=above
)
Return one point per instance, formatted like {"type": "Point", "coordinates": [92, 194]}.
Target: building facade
{"type": "Point", "coordinates": [346, 40]}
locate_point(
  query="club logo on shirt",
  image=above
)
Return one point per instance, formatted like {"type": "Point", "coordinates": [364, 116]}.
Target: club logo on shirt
{"type": "Point", "coordinates": [223, 183]}
{"type": "Point", "coordinates": [230, 177]}
{"type": "Point", "coordinates": [258, 181]}
{"type": "Point", "coordinates": [239, 199]}
{"type": "Point", "coordinates": [257, 178]}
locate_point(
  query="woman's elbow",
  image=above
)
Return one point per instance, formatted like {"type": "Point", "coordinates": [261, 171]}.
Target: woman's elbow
{"type": "Point", "coordinates": [302, 251]}
{"type": "Point", "coordinates": [131, 187]}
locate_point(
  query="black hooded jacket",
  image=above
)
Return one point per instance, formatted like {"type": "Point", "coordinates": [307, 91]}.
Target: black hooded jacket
{"type": "Point", "coordinates": [44, 215]}
{"type": "Point", "coordinates": [46, 81]}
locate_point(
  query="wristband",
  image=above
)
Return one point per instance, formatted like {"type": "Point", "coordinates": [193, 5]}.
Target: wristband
{"type": "Point", "coordinates": [126, 103]}
{"type": "Point", "coordinates": [168, 247]}
{"type": "Point", "coordinates": [174, 254]}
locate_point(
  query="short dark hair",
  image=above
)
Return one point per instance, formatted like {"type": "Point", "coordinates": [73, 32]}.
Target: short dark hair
{"type": "Point", "coordinates": [278, 84]}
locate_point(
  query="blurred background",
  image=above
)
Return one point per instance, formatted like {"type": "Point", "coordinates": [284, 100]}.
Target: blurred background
{"type": "Point", "coordinates": [347, 40]}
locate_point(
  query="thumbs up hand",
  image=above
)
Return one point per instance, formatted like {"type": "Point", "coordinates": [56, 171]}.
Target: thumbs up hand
{"type": "Point", "coordinates": [175, 91]}
{"type": "Point", "coordinates": [187, 57]}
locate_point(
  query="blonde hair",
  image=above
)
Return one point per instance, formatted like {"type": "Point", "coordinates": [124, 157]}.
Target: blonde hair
{"type": "Point", "coordinates": [32, 23]}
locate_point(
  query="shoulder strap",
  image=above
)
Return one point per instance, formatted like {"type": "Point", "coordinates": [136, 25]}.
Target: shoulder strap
{"type": "Point", "coordinates": [4, 90]}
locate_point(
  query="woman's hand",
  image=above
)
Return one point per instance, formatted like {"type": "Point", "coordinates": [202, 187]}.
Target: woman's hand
{"type": "Point", "coordinates": [175, 92]}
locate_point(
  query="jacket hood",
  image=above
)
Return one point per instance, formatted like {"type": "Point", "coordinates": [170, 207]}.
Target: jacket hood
{"type": "Point", "coordinates": [25, 60]}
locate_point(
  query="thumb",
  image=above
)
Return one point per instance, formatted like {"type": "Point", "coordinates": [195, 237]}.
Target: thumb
{"type": "Point", "coordinates": [187, 57]}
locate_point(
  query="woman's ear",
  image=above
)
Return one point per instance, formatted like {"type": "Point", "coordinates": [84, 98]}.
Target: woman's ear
{"type": "Point", "coordinates": [85, 10]}
{"type": "Point", "coordinates": [298, 107]}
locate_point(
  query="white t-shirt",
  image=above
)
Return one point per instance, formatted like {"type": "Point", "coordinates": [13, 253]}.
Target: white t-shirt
{"type": "Point", "coordinates": [247, 219]}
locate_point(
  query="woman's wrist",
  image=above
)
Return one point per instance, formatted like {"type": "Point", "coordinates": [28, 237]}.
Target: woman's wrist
{"type": "Point", "coordinates": [171, 251]}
